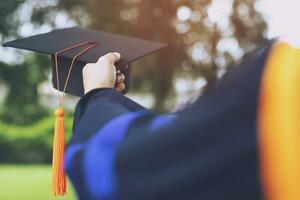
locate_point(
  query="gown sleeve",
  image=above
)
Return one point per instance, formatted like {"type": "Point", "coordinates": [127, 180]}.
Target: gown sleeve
{"type": "Point", "coordinates": [122, 151]}
{"type": "Point", "coordinates": [101, 122]}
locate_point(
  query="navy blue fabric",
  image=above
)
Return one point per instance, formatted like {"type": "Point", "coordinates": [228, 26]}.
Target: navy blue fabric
{"type": "Point", "coordinates": [90, 157]}
{"type": "Point", "coordinates": [72, 164]}
{"type": "Point", "coordinates": [161, 121]}
{"type": "Point", "coordinates": [95, 109]}
{"type": "Point", "coordinates": [99, 157]}
{"type": "Point", "coordinates": [207, 152]}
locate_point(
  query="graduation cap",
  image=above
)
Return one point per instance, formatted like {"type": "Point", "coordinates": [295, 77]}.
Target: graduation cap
{"type": "Point", "coordinates": [70, 50]}
{"type": "Point", "coordinates": [72, 41]}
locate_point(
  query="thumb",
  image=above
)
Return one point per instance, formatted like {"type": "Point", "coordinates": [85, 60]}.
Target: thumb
{"type": "Point", "coordinates": [112, 57]}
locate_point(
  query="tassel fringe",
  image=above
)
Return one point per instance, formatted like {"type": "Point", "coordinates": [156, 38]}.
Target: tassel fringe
{"type": "Point", "coordinates": [58, 174]}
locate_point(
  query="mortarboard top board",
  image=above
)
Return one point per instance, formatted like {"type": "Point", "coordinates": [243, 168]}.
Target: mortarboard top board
{"type": "Point", "coordinates": [50, 43]}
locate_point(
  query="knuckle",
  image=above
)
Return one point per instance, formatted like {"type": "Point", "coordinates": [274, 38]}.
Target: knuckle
{"type": "Point", "coordinates": [109, 57]}
{"type": "Point", "coordinates": [88, 65]}
{"type": "Point", "coordinates": [122, 86]}
{"type": "Point", "coordinates": [120, 77]}
{"type": "Point", "coordinates": [104, 58]}
{"type": "Point", "coordinates": [112, 57]}
{"type": "Point", "coordinates": [85, 68]}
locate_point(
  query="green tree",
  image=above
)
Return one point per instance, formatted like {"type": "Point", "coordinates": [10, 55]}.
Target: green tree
{"type": "Point", "coordinates": [21, 104]}
{"type": "Point", "coordinates": [194, 44]}
{"type": "Point", "coordinates": [7, 9]}
{"type": "Point", "coordinates": [157, 20]}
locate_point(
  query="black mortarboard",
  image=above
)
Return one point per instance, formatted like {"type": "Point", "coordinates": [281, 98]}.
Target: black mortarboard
{"type": "Point", "coordinates": [130, 49]}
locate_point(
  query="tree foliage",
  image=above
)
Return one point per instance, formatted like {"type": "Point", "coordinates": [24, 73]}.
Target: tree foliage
{"type": "Point", "coordinates": [199, 46]}
{"type": "Point", "coordinates": [158, 20]}
{"type": "Point", "coordinates": [21, 104]}
{"type": "Point", "coordinates": [7, 9]}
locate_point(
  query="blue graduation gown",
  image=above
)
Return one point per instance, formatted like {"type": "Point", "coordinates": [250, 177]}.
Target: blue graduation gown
{"type": "Point", "coordinates": [122, 151]}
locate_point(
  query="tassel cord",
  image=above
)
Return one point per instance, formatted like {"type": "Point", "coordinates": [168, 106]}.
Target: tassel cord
{"type": "Point", "coordinates": [58, 175]}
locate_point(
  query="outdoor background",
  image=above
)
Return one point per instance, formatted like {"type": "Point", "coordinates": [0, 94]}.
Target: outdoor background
{"type": "Point", "coordinates": [206, 38]}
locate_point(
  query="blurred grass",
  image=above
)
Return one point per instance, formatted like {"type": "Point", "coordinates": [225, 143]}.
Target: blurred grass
{"type": "Point", "coordinates": [29, 182]}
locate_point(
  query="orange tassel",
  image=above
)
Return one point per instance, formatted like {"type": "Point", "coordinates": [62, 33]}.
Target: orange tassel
{"type": "Point", "coordinates": [58, 174]}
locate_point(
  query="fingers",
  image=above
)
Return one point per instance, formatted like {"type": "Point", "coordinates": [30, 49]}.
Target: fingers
{"type": "Point", "coordinates": [106, 74]}
{"type": "Point", "coordinates": [120, 87]}
{"type": "Point", "coordinates": [120, 77]}
{"type": "Point", "coordinates": [103, 73]}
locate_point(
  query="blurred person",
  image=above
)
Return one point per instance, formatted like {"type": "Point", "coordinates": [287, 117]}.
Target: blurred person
{"type": "Point", "coordinates": [218, 148]}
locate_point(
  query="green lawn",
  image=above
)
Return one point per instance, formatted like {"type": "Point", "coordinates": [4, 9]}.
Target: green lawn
{"type": "Point", "coordinates": [28, 182]}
